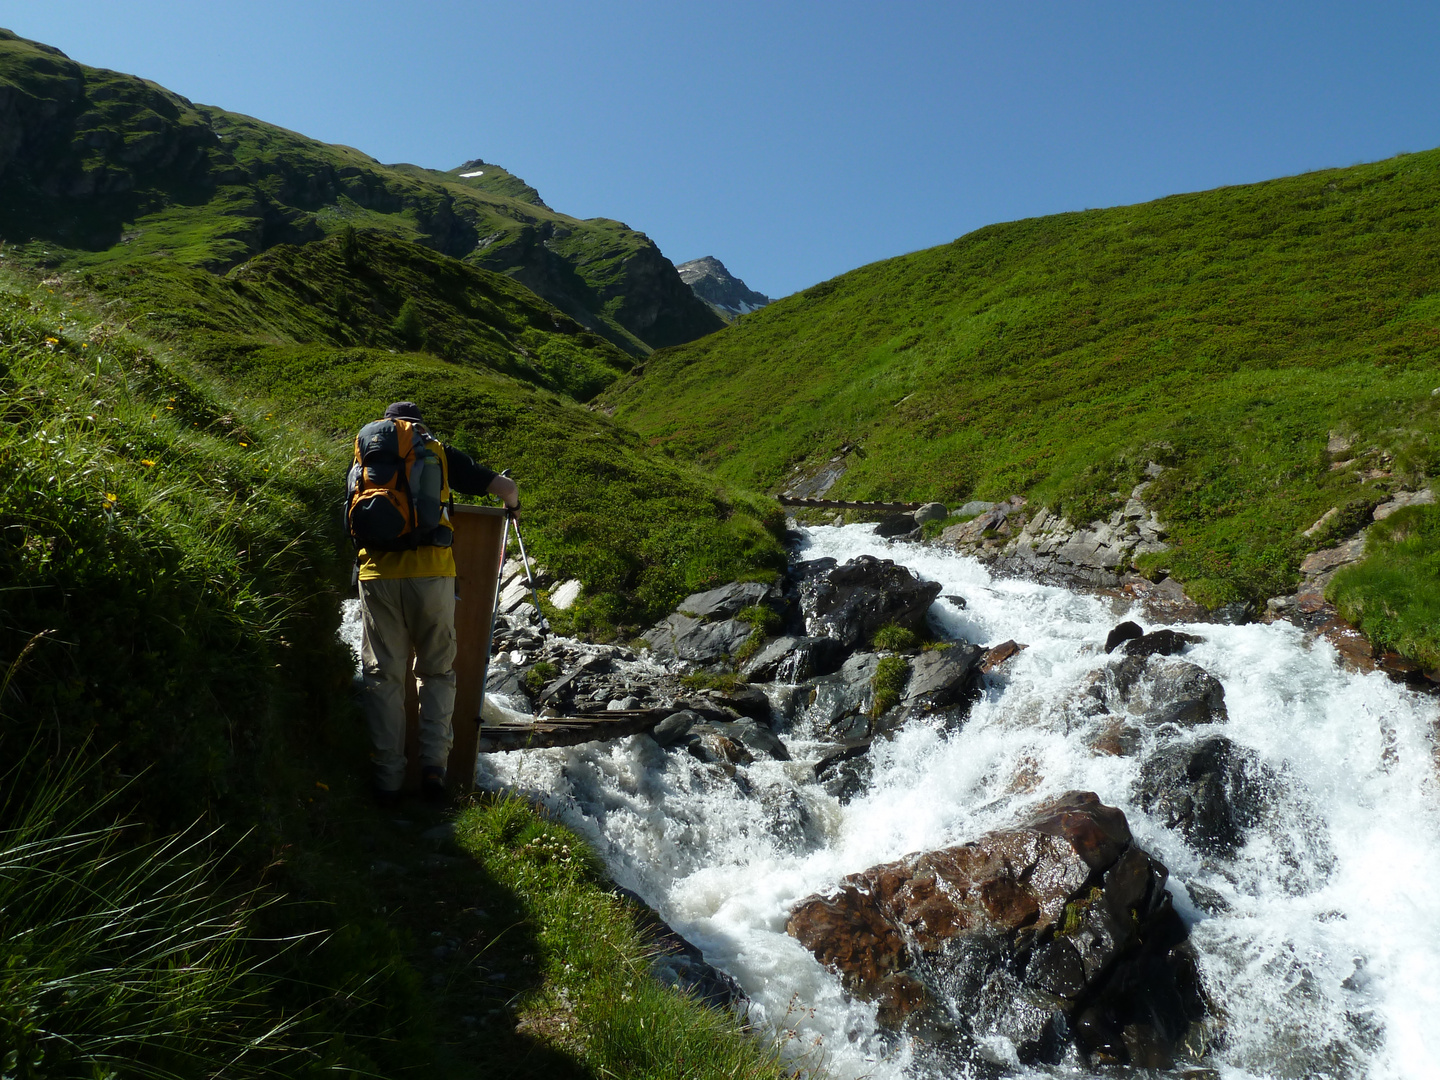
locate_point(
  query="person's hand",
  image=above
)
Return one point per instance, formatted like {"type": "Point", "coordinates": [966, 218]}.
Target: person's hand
{"type": "Point", "coordinates": [505, 489]}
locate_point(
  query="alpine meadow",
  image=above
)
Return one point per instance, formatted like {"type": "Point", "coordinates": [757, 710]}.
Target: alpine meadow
{"type": "Point", "coordinates": [198, 310]}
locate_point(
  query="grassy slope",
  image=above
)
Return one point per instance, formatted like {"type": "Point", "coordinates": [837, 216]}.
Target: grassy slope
{"type": "Point", "coordinates": [639, 530]}
{"type": "Point", "coordinates": [1224, 333]}
{"type": "Point", "coordinates": [177, 543]}
{"type": "Point", "coordinates": [100, 167]}
{"type": "Point", "coordinates": [349, 292]}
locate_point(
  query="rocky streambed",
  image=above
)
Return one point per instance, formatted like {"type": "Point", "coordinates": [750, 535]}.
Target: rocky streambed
{"type": "Point", "coordinates": [1037, 833]}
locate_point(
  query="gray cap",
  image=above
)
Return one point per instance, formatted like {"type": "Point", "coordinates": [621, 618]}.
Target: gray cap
{"type": "Point", "coordinates": [404, 410]}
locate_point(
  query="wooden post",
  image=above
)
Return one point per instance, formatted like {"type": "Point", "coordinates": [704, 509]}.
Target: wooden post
{"type": "Point", "coordinates": [478, 536]}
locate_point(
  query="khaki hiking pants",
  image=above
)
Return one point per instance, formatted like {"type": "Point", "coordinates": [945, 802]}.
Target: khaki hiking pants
{"type": "Point", "coordinates": [399, 614]}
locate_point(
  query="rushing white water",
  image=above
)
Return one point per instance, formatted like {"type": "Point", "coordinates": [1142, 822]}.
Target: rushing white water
{"type": "Point", "coordinates": [1322, 960]}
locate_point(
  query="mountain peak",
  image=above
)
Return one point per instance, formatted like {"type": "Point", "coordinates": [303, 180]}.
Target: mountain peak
{"type": "Point", "coordinates": [719, 288]}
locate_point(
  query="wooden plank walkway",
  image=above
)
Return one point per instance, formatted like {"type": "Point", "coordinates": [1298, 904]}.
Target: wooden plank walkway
{"type": "Point", "coordinates": [547, 731]}
{"type": "Point", "coordinates": [837, 504]}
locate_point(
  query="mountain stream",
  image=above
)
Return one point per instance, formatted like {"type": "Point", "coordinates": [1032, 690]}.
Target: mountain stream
{"type": "Point", "coordinates": [1319, 942]}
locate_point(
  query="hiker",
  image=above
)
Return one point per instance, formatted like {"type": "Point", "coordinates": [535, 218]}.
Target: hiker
{"type": "Point", "coordinates": [398, 503]}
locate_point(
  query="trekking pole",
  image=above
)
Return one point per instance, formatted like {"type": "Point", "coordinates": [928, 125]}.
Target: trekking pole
{"type": "Point", "coordinates": [495, 611]}
{"type": "Point", "coordinates": [512, 518]}
{"type": "Point", "coordinates": [529, 577]}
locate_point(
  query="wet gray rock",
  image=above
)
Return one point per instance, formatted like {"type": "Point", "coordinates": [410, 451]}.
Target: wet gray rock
{"type": "Point", "coordinates": [1185, 694]}
{"type": "Point", "coordinates": [676, 963]}
{"type": "Point", "coordinates": [715, 745]}
{"type": "Point", "coordinates": [1126, 631]}
{"type": "Point", "coordinates": [1210, 791]}
{"type": "Point", "coordinates": [745, 701]}
{"type": "Point", "coordinates": [738, 742]}
{"type": "Point", "coordinates": [897, 525]}
{"type": "Point", "coordinates": [1054, 933]}
{"type": "Point", "coordinates": [1160, 643]}
{"type": "Point", "coordinates": [1157, 692]}
{"type": "Point", "coordinates": [675, 727]}
{"type": "Point", "coordinates": [795, 660]}
{"type": "Point", "coordinates": [845, 771]}
{"type": "Point", "coordinates": [942, 678]}
{"type": "Point", "coordinates": [700, 642]}
{"type": "Point", "coordinates": [851, 602]}
{"type": "Point", "coordinates": [757, 738]}
{"type": "Point", "coordinates": [725, 602]}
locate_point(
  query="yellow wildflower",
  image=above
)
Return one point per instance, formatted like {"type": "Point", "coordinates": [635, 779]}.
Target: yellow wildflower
{"type": "Point", "coordinates": [146, 461]}
{"type": "Point", "coordinates": [110, 497]}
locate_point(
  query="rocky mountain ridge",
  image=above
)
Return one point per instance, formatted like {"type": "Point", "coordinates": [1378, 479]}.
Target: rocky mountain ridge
{"type": "Point", "coordinates": [98, 166]}
{"type": "Point", "coordinates": [724, 292]}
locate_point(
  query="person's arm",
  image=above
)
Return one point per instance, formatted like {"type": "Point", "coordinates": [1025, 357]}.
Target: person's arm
{"type": "Point", "coordinates": [468, 478]}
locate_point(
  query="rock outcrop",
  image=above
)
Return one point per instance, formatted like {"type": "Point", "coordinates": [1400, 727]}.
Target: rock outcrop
{"type": "Point", "coordinates": [851, 602]}
{"type": "Point", "coordinates": [1058, 931]}
{"type": "Point", "coordinates": [1044, 547]}
{"type": "Point", "coordinates": [726, 294]}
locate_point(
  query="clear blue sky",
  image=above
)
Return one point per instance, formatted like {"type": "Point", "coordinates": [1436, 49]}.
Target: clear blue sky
{"type": "Point", "coordinates": [795, 141]}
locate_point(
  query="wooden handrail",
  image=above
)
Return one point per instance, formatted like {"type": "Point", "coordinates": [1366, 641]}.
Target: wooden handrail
{"type": "Point", "coordinates": [837, 504]}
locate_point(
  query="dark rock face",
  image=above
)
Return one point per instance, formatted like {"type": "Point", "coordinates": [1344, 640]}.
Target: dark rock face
{"type": "Point", "coordinates": [1157, 692]}
{"type": "Point", "coordinates": [1159, 643]}
{"type": "Point", "coordinates": [1211, 791]}
{"type": "Point", "coordinates": [795, 660]}
{"type": "Point", "coordinates": [1126, 631]}
{"type": "Point", "coordinates": [1184, 694]}
{"type": "Point", "coordinates": [851, 602]}
{"type": "Point", "coordinates": [675, 962]}
{"type": "Point", "coordinates": [725, 602]}
{"type": "Point", "coordinates": [897, 525]}
{"type": "Point", "coordinates": [845, 771]}
{"type": "Point", "coordinates": [1059, 929]}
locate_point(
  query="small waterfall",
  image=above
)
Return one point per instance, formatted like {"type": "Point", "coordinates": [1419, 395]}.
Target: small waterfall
{"type": "Point", "coordinates": [1318, 937]}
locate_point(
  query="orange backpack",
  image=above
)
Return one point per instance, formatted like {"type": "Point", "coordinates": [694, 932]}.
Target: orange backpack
{"type": "Point", "coordinates": [397, 490]}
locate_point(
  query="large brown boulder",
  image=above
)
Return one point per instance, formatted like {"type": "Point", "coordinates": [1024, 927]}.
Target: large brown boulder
{"type": "Point", "coordinates": [1058, 929]}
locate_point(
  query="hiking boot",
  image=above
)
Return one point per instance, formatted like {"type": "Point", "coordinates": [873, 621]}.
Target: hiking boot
{"type": "Point", "coordinates": [385, 800]}
{"type": "Point", "coordinates": [432, 784]}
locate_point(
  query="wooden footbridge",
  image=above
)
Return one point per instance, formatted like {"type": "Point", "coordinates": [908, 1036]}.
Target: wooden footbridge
{"type": "Point", "coordinates": [548, 731]}
{"type": "Point", "coordinates": [841, 504]}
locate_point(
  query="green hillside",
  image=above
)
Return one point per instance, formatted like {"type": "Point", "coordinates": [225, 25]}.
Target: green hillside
{"type": "Point", "coordinates": [197, 311]}
{"type": "Point", "coordinates": [97, 167]}
{"type": "Point", "coordinates": [1224, 333]}
{"type": "Point", "coordinates": [189, 856]}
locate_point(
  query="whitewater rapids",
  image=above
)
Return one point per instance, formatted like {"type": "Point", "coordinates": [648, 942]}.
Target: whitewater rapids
{"type": "Point", "coordinates": [1319, 943]}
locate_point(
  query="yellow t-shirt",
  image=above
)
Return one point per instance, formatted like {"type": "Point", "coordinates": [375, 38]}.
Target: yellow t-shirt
{"type": "Point", "coordinates": [428, 560]}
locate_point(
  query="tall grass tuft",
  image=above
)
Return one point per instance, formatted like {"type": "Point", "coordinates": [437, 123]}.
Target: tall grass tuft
{"type": "Point", "coordinates": [124, 956]}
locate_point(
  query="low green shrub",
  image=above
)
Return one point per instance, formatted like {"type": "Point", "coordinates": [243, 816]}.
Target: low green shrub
{"type": "Point", "coordinates": [888, 683]}
{"type": "Point", "coordinates": [725, 681]}
{"type": "Point", "coordinates": [896, 638]}
{"type": "Point", "coordinates": [539, 675]}
{"type": "Point", "coordinates": [765, 621]}
{"type": "Point", "coordinates": [599, 999]}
